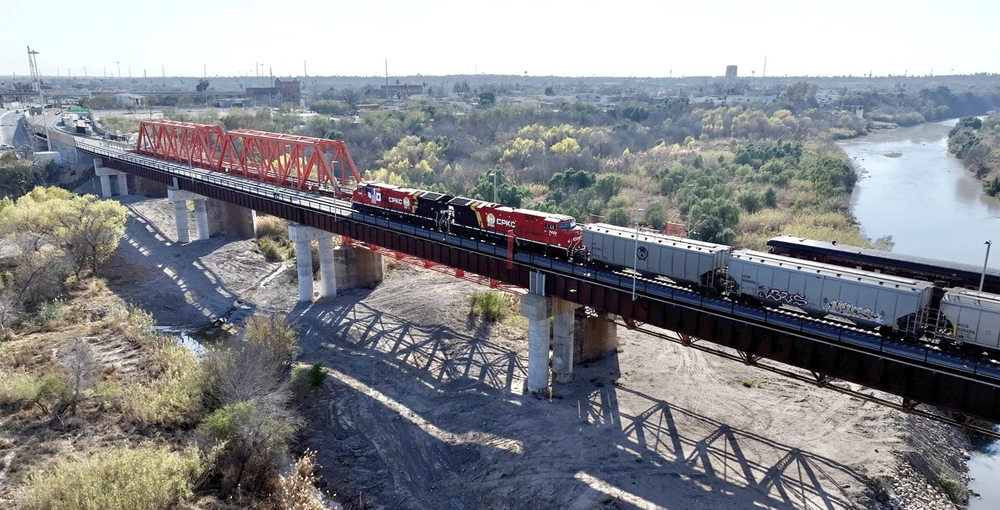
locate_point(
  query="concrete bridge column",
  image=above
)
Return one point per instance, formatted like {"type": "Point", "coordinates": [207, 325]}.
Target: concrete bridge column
{"type": "Point", "coordinates": [537, 309]}
{"type": "Point", "coordinates": [201, 218]}
{"type": "Point", "coordinates": [180, 198]}
{"type": "Point", "coordinates": [562, 339]}
{"type": "Point", "coordinates": [181, 219]}
{"type": "Point", "coordinates": [302, 236]}
{"type": "Point", "coordinates": [327, 273]}
{"type": "Point", "coordinates": [122, 184]}
{"type": "Point", "coordinates": [105, 175]}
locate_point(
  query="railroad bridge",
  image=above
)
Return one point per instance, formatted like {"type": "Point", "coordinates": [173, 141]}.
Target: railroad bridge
{"type": "Point", "coordinates": [555, 288]}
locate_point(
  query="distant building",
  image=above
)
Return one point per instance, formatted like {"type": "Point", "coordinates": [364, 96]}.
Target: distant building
{"type": "Point", "coordinates": [281, 92]}
{"type": "Point", "coordinates": [232, 102]}
{"type": "Point", "coordinates": [395, 91]}
{"type": "Point", "coordinates": [588, 97]}
{"type": "Point", "coordinates": [730, 73]}
{"type": "Point", "coordinates": [134, 100]}
{"type": "Point", "coordinates": [740, 99]}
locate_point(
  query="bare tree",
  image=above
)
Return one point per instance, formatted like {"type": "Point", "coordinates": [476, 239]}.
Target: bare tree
{"type": "Point", "coordinates": [81, 367]}
{"type": "Point", "coordinates": [977, 157]}
{"type": "Point", "coordinates": [242, 371]}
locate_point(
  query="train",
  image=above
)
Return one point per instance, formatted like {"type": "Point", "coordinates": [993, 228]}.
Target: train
{"type": "Point", "coordinates": [892, 302]}
{"type": "Point", "coordinates": [549, 234]}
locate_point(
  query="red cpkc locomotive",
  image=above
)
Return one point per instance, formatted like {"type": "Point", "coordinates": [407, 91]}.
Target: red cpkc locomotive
{"type": "Point", "coordinates": [553, 234]}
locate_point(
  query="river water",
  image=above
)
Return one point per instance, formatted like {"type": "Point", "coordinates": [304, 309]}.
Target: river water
{"type": "Point", "coordinates": [913, 189]}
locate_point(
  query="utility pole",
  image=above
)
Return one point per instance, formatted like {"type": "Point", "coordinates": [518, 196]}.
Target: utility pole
{"type": "Point", "coordinates": [119, 71]}
{"type": "Point", "coordinates": [163, 70]}
{"type": "Point", "coordinates": [33, 60]}
{"type": "Point", "coordinates": [635, 255]}
{"type": "Point", "coordinates": [33, 68]}
{"type": "Point", "coordinates": [386, 79]}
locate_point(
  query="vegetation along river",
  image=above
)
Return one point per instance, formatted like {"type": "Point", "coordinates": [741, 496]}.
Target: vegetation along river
{"type": "Point", "coordinates": [914, 190]}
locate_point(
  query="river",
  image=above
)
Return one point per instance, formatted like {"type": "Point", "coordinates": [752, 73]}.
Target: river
{"type": "Point", "coordinates": [913, 189]}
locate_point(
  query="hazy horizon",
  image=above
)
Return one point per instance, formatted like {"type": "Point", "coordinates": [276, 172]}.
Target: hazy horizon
{"type": "Point", "coordinates": [629, 39]}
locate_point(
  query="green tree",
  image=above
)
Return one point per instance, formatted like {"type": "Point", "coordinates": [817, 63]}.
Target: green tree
{"type": "Point", "coordinates": [89, 230]}
{"type": "Point", "coordinates": [507, 192]}
{"type": "Point", "coordinates": [487, 99]}
{"type": "Point", "coordinates": [636, 112]}
{"type": "Point", "coordinates": [202, 85]}
{"type": "Point", "coordinates": [770, 197]}
{"type": "Point", "coordinates": [750, 201]}
{"type": "Point", "coordinates": [655, 216]}
{"type": "Point", "coordinates": [608, 186]}
{"type": "Point", "coordinates": [549, 91]}
{"type": "Point", "coordinates": [715, 220]}
{"type": "Point", "coordinates": [18, 176]}
{"type": "Point", "coordinates": [619, 217]}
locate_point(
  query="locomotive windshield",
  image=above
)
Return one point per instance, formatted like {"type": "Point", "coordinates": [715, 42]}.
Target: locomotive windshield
{"type": "Point", "coordinates": [567, 224]}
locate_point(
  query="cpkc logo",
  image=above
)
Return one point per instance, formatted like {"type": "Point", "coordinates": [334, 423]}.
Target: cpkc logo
{"type": "Point", "coordinates": [642, 253]}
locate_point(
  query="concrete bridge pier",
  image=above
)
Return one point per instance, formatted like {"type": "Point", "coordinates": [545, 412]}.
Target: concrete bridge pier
{"type": "Point", "coordinates": [537, 308]}
{"type": "Point", "coordinates": [586, 340]}
{"type": "Point", "coordinates": [302, 237]}
{"type": "Point", "coordinates": [106, 174]}
{"type": "Point", "coordinates": [562, 339]}
{"type": "Point", "coordinates": [180, 198]}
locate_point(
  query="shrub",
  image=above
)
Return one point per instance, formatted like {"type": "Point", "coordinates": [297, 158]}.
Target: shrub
{"type": "Point", "coordinates": [618, 217]}
{"type": "Point", "coordinates": [275, 335]}
{"type": "Point", "coordinates": [954, 489]}
{"type": "Point", "coordinates": [17, 387]}
{"type": "Point", "coordinates": [250, 439]}
{"type": "Point", "coordinates": [135, 324]}
{"type": "Point", "coordinates": [272, 226]}
{"type": "Point", "coordinates": [315, 377]}
{"type": "Point", "coordinates": [241, 371]}
{"type": "Point", "coordinates": [146, 477]}
{"type": "Point", "coordinates": [272, 251]}
{"type": "Point", "coordinates": [50, 313]}
{"type": "Point", "coordinates": [489, 305]}
{"type": "Point", "coordinates": [173, 398]}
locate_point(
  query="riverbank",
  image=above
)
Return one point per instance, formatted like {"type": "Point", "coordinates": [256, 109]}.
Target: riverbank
{"type": "Point", "coordinates": [947, 216]}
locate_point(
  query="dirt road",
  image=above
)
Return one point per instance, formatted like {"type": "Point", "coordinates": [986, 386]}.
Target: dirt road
{"type": "Point", "coordinates": [425, 407]}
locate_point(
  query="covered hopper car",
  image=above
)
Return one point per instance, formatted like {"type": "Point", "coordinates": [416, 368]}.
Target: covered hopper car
{"type": "Point", "coordinates": [685, 261]}
{"type": "Point", "coordinates": [889, 303]}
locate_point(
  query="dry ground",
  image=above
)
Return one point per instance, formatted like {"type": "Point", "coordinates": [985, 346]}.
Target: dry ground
{"type": "Point", "coordinates": [425, 407]}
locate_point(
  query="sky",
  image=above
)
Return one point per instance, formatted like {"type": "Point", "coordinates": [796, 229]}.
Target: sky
{"type": "Point", "coordinates": [619, 38]}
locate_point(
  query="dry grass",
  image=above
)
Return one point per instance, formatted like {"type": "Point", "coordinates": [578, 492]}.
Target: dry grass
{"type": "Point", "coordinates": [272, 239]}
{"type": "Point", "coordinates": [755, 229]}
{"type": "Point", "coordinates": [491, 305]}
{"type": "Point", "coordinates": [297, 490]}
{"type": "Point", "coordinates": [174, 398]}
{"type": "Point", "coordinates": [144, 478]}
{"type": "Point", "coordinates": [272, 226]}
